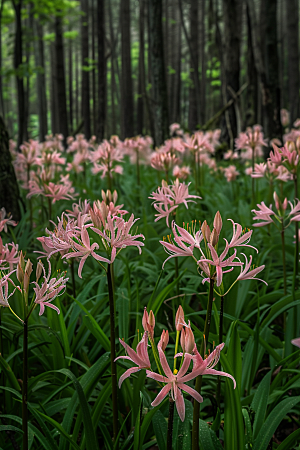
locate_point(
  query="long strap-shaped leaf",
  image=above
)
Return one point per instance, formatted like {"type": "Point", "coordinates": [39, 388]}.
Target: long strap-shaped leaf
{"type": "Point", "coordinates": [269, 427]}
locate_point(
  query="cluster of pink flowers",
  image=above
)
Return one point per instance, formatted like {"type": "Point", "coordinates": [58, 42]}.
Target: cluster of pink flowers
{"type": "Point", "coordinates": [168, 198]}
{"type": "Point", "coordinates": [251, 141]}
{"type": "Point", "coordinates": [266, 215]}
{"type": "Point", "coordinates": [138, 149]}
{"type": "Point", "coordinates": [6, 219]}
{"type": "Point", "coordinates": [104, 159]}
{"type": "Point", "coordinates": [187, 242]}
{"type": "Point", "coordinates": [104, 220]}
{"type": "Point", "coordinates": [230, 172]}
{"type": "Point", "coordinates": [174, 381]}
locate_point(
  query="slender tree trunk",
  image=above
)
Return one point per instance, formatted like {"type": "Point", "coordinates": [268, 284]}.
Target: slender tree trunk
{"type": "Point", "coordinates": [114, 90]}
{"type": "Point", "coordinates": [101, 69]}
{"type": "Point", "coordinates": [60, 80]}
{"type": "Point", "coordinates": [203, 64]}
{"type": "Point", "coordinates": [293, 57]}
{"type": "Point", "coordinates": [231, 9]}
{"type": "Point", "coordinates": [94, 91]}
{"type": "Point", "coordinates": [251, 113]}
{"type": "Point", "coordinates": [127, 119]}
{"type": "Point", "coordinates": [2, 108]}
{"type": "Point", "coordinates": [194, 116]}
{"type": "Point", "coordinates": [159, 87]}
{"type": "Point", "coordinates": [54, 106]}
{"type": "Point", "coordinates": [141, 81]}
{"type": "Point", "coordinates": [77, 118]}
{"type": "Point", "coordinates": [70, 60]}
{"type": "Point", "coordinates": [18, 60]}
{"type": "Point", "coordinates": [9, 188]}
{"type": "Point", "coordinates": [174, 84]}
{"type": "Point", "coordinates": [85, 77]}
{"type": "Point", "coordinates": [41, 81]}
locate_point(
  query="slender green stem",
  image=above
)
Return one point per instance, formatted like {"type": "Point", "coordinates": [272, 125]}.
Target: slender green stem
{"type": "Point", "coordinates": [49, 208]}
{"type": "Point", "coordinates": [283, 258]}
{"type": "Point", "coordinates": [73, 278]}
{"type": "Point", "coordinates": [297, 237]}
{"type": "Point", "coordinates": [196, 413]}
{"type": "Point", "coordinates": [176, 349]}
{"type": "Point", "coordinates": [170, 424]}
{"type": "Point", "coordinates": [255, 349]}
{"type": "Point", "coordinates": [113, 353]}
{"type": "Point", "coordinates": [109, 181]}
{"type": "Point", "coordinates": [218, 396]}
{"type": "Point", "coordinates": [138, 168]}
{"type": "Point", "coordinates": [25, 386]}
{"type": "Point", "coordinates": [195, 171]}
{"type": "Point", "coordinates": [253, 180]}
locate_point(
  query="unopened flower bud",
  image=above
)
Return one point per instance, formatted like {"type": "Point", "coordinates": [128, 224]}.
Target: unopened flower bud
{"type": "Point", "coordinates": [164, 340]}
{"type": "Point", "coordinates": [189, 340]}
{"type": "Point", "coordinates": [39, 270]}
{"type": "Point", "coordinates": [205, 230]}
{"type": "Point", "coordinates": [148, 323]}
{"type": "Point", "coordinates": [20, 268]}
{"type": "Point", "coordinates": [179, 319]}
{"type": "Point", "coordinates": [218, 222]}
{"type": "Point", "coordinates": [214, 237]}
{"type": "Point", "coordinates": [284, 204]}
{"type": "Point", "coordinates": [277, 201]}
{"type": "Point", "coordinates": [151, 319]}
{"type": "Point", "coordinates": [298, 144]}
{"type": "Point", "coordinates": [291, 146]}
{"type": "Point", "coordinates": [28, 272]}
{"type": "Point", "coordinates": [145, 320]}
{"type": "Point", "coordinates": [182, 340]}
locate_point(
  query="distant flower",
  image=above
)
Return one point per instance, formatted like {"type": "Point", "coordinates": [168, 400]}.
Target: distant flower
{"type": "Point", "coordinates": [230, 173]}
{"type": "Point", "coordinates": [5, 220]}
{"type": "Point", "coordinates": [247, 274]}
{"type": "Point", "coordinates": [49, 290]}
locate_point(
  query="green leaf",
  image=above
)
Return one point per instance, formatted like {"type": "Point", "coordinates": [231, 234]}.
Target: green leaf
{"type": "Point", "coordinates": [207, 438]}
{"type": "Point", "coordinates": [9, 374]}
{"type": "Point", "coordinates": [10, 428]}
{"type": "Point", "coordinates": [94, 328]}
{"type": "Point", "coordinates": [260, 402]}
{"type": "Point", "coordinates": [91, 441]}
{"type": "Point", "coordinates": [248, 428]}
{"type": "Point", "coordinates": [156, 304]}
{"type": "Point", "coordinates": [137, 429]}
{"type": "Point", "coordinates": [290, 441]}
{"type": "Point", "coordinates": [269, 427]}
{"type": "Point", "coordinates": [160, 426]}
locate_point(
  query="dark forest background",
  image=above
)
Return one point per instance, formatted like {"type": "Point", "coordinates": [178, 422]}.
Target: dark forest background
{"type": "Point", "coordinates": [128, 67]}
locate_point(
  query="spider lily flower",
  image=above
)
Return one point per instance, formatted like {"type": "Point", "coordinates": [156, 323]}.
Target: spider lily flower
{"type": "Point", "coordinates": [182, 237]}
{"type": "Point", "coordinates": [174, 383]}
{"type": "Point", "coordinates": [238, 239]}
{"type": "Point", "coordinates": [250, 275]}
{"type": "Point", "coordinates": [219, 263]}
{"type": "Point", "coordinates": [83, 249]}
{"type": "Point", "coordinates": [9, 254]}
{"type": "Point", "coordinates": [230, 173]}
{"type": "Point", "coordinates": [264, 213]}
{"type": "Point", "coordinates": [140, 357]}
{"type": "Point", "coordinates": [5, 219]}
{"type": "Point", "coordinates": [296, 342]}
{"type": "Point", "coordinates": [4, 296]}
{"type": "Point", "coordinates": [49, 290]}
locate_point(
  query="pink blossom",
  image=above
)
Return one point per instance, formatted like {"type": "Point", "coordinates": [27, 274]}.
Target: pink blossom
{"type": "Point", "coordinates": [264, 213]}
{"type": "Point", "coordinates": [8, 255]}
{"type": "Point", "coordinates": [230, 173]}
{"type": "Point", "coordinates": [250, 275]}
{"type": "Point", "coordinates": [49, 290]}
{"type": "Point", "coordinates": [181, 172]}
{"type": "Point", "coordinates": [140, 357]}
{"type": "Point", "coordinates": [163, 161]}
{"type": "Point", "coordinates": [4, 221]}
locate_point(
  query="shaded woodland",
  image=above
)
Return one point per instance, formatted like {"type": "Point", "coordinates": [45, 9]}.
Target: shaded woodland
{"type": "Point", "coordinates": [134, 67]}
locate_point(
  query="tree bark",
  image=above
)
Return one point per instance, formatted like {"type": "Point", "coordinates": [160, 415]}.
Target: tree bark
{"type": "Point", "coordinates": [203, 64]}
{"type": "Point", "coordinates": [194, 116]}
{"type": "Point", "coordinates": [141, 80]}
{"type": "Point", "coordinates": [101, 69]}
{"type": "Point", "coordinates": [70, 73]}
{"type": "Point", "coordinates": [85, 77]}
{"type": "Point", "coordinates": [231, 14]}
{"type": "Point", "coordinates": [1, 80]}
{"type": "Point", "coordinates": [9, 188]}
{"type": "Point", "coordinates": [60, 80]}
{"type": "Point", "coordinates": [158, 80]}
{"type": "Point", "coordinates": [18, 60]}
{"type": "Point", "coordinates": [292, 7]}
{"type": "Point", "coordinates": [127, 113]}
{"type": "Point", "coordinates": [94, 90]}
{"type": "Point", "coordinates": [174, 62]}
{"type": "Point", "coordinates": [41, 81]}
{"type": "Point", "coordinates": [53, 100]}
{"type": "Point", "coordinates": [251, 113]}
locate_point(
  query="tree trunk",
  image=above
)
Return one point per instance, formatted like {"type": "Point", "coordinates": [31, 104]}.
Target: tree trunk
{"type": "Point", "coordinates": [41, 82]}
{"type": "Point", "coordinates": [158, 81]}
{"type": "Point", "coordinates": [1, 80]}
{"type": "Point", "coordinates": [141, 80]}
{"type": "Point", "coordinates": [94, 91]}
{"type": "Point", "coordinates": [292, 7]}
{"type": "Point", "coordinates": [70, 73]}
{"type": "Point", "coordinates": [127, 118]}
{"type": "Point", "coordinates": [203, 65]}
{"type": "Point", "coordinates": [9, 188]}
{"type": "Point", "coordinates": [60, 80]}
{"type": "Point", "coordinates": [174, 63]}
{"type": "Point", "coordinates": [231, 10]}
{"type": "Point", "coordinates": [251, 113]}
{"type": "Point", "coordinates": [194, 116]}
{"type": "Point", "coordinates": [77, 118]}
{"type": "Point", "coordinates": [18, 60]}
{"type": "Point", "coordinates": [53, 102]}
{"type": "Point", "coordinates": [101, 69]}
{"type": "Point", "coordinates": [85, 77]}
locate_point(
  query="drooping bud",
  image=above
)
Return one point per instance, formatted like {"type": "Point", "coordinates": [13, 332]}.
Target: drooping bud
{"type": "Point", "coordinates": [164, 340]}
{"type": "Point", "coordinates": [179, 319]}
{"type": "Point", "coordinates": [218, 222]}
{"type": "Point", "coordinates": [145, 319]}
{"type": "Point", "coordinates": [205, 230]}
{"type": "Point", "coordinates": [189, 340]}
{"type": "Point", "coordinates": [39, 270]}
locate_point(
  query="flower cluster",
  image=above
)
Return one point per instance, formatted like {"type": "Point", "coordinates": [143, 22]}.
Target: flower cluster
{"type": "Point", "coordinates": [266, 215]}
{"type": "Point", "coordinates": [174, 381]}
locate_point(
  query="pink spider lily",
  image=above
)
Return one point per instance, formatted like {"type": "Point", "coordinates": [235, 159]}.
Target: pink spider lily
{"type": "Point", "coordinates": [230, 173]}
{"type": "Point", "coordinates": [238, 239]}
{"type": "Point", "coordinates": [8, 255]}
{"type": "Point", "coordinates": [250, 275]}
{"type": "Point", "coordinates": [168, 198]}
{"type": "Point", "coordinates": [174, 383]}
{"type": "Point", "coordinates": [296, 342]}
{"type": "Point", "coordinates": [5, 220]}
{"type": "Point", "coordinates": [140, 357]}
{"type": "Point", "coordinates": [49, 290]}
{"type": "Point", "coordinates": [4, 296]}
{"type": "Point", "coordinates": [163, 161]}
{"type": "Point", "coordinates": [219, 263]}
{"type": "Point", "coordinates": [83, 248]}
{"type": "Point", "coordinates": [116, 235]}
{"type": "Point", "coordinates": [181, 238]}
{"type": "Point", "coordinates": [264, 213]}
